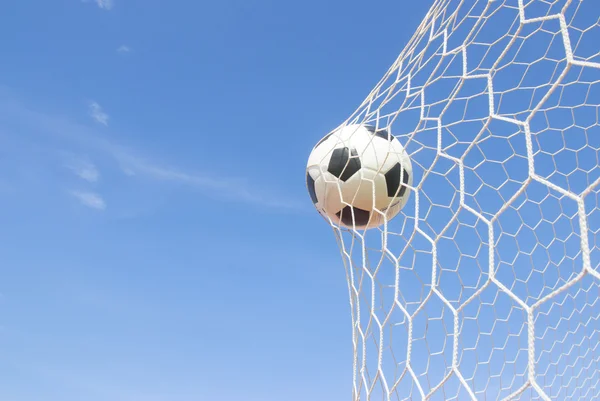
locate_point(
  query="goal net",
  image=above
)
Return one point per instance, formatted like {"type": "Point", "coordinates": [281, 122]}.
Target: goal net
{"type": "Point", "coordinates": [486, 286]}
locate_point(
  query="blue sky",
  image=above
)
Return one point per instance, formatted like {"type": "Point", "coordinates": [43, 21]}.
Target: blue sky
{"type": "Point", "coordinates": [157, 239]}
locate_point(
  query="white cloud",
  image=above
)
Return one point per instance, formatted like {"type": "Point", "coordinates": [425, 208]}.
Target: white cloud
{"type": "Point", "coordinates": [123, 49]}
{"type": "Point", "coordinates": [103, 4]}
{"type": "Point", "coordinates": [98, 114]}
{"type": "Point", "coordinates": [90, 199]}
{"type": "Point", "coordinates": [227, 187]}
{"type": "Point", "coordinates": [140, 167]}
{"type": "Point", "coordinates": [84, 169]}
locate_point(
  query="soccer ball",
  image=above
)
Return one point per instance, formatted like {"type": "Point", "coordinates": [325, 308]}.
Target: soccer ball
{"type": "Point", "coordinates": [356, 175]}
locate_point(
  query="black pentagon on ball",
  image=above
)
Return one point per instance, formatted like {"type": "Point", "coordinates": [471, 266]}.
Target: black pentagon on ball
{"type": "Point", "coordinates": [392, 180]}
{"type": "Point", "coordinates": [381, 133]}
{"type": "Point", "coordinates": [310, 184]}
{"type": "Point", "coordinates": [344, 163]}
{"type": "Point", "coordinates": [360, 218]}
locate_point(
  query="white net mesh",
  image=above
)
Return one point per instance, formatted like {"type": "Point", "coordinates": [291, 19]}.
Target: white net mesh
{"type": "Point", "coordinates": [486, 286]}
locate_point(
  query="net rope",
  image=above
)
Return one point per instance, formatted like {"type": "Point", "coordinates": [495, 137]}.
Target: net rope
{"type": "Point", "coordinates": [486, 285]}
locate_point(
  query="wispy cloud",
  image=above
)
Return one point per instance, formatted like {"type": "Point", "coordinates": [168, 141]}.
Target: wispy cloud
{"type": "Point", "coordinates": [84, 169]}
{"type": "Point", "coordinates": [230, 188]}
{"type": "Point", "coordinates": [90, 199]}
{"type": "Point", "coordinates": [98, 114]}
{"type": "Point", "coordinates": [133, 164]}
{"type": "Point", "coordinates": [123, 49]}
{"type": "Point", "coordinates": [103, 4]}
